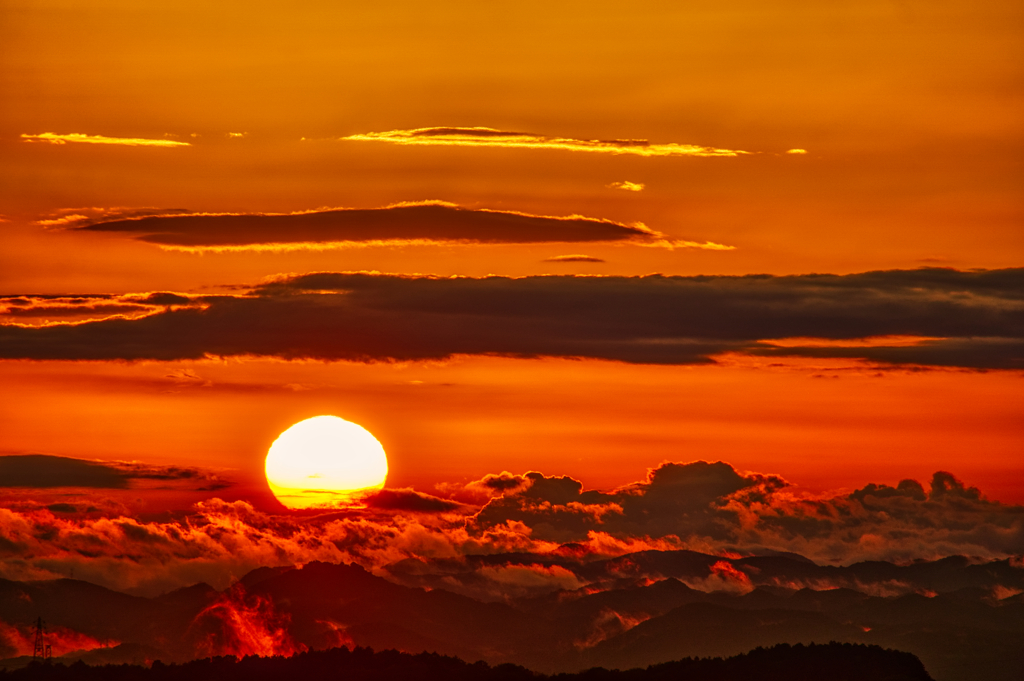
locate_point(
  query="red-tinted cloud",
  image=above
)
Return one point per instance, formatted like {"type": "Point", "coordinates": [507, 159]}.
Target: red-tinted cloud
{"type": "Point", "coordinates": [240, 625]}
{"type": "Point", "coordinates": [535, 524]}
{"type": "Point", "coordinates": [17, 641]}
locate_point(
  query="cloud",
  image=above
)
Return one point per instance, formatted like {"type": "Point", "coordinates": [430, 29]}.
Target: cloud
{"type": "Point", "coordinates": [85, 216]}
{"type": "Point", "coordinates": [573, 258]}
{"type": "Point", "coordinates": [44, 471]}
{"type": "Point", "coordinates": [628, 186]}
{"type": "Point", "coordinates": [409, 500]}
{"type": "Point", "coordinates": [479, 492]}
{"type": "Point", "coordinates": [240, 625]}
{"type": "Point", "coordinates": [220, 542]}
{"type": "Point", "coordinates": [970, 319]}
{"type": "Point", "coordinates": [714, 508]}
{"type": "Point", "coordinates": [178, 477]}
{"type": "Point", "coordinates": [707, 245]}
{"type": "Point", "coordinates": [19, 641]}
{"type": "Point", "coordinates": [511, 580]}
{"type": "Point", "coordinates": [609, 624]}
{"type": "Point", "coordinates": [76, 137]}
{"type": "Point", "coordinates": [38, 310]}
{"type": "Point", "coordinates": [675, 499]}
{"type": "Point", "coordinates": [705, 523]}
{"type": "Point", "coordinates": [40, 470]}
{"type": "Point", "coordinates": [489, 137]}
{"type": "Point", "coordinates": [879, 522]}
{"type": "Point", "coordinates": [724, 577]}
{"type": "Point", "coordinates": [416, 223]}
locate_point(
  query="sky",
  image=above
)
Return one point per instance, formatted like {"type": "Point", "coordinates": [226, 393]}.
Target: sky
{"type": "Point", "coordinates": [582, 239]}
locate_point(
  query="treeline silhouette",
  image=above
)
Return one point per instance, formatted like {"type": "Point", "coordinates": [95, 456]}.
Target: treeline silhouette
{"type": "Point", "coordinates": [833, 661]}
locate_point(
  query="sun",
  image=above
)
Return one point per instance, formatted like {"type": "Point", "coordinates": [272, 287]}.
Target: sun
{"type": "Point", "coordinates": [325, 461]}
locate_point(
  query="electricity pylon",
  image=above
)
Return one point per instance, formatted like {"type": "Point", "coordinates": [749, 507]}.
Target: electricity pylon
{"type": "Point", "coordinates": [43, 650]}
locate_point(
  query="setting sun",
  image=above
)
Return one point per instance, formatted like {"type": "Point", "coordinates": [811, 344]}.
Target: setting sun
{"type": "Point", "coordinates": [324, 461]}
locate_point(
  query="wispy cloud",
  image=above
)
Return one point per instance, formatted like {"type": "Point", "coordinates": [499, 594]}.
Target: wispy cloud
{"type": "Point", "coordinates": [76, 137]}
{"type": "Point", "coordinates": [36, 311]}
{"type": "Point", "coordinates": [489, 137]}
{"type": "Point", "coordinates": [63, 220]}
{"type": "Point", "coordinates": [573, 258]}
{"type": "Point", "coordinates": [90, 215]}
{"type": "Point", "coordinates": [628, 186]}
{"type": "Point", "coordinates": [707, 245]}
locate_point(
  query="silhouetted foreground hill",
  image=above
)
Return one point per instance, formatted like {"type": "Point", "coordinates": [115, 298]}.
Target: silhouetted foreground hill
{"type": "Point", "coordinates": [833, 661]}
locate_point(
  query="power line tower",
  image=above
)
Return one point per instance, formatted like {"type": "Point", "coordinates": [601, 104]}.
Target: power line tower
{"type": "Point", "coordinates": [43, 651]}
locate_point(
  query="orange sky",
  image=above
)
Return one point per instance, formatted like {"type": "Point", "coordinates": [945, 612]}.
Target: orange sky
{"type": "Point", "coordinates": [908, 113]}
{"type": "Point", "coordinates": [821, 424]}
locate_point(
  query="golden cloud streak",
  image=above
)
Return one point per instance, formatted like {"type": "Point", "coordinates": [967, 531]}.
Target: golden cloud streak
{"type": "Point", "coordinates": [489, 137]}
{"type": "Point", "coordinates": [672, 244]}
{"type": "Point", "coordinates": [627, 186]}
{"type": "Point", "coordinates": [61, 221]}
{"type": "Point", "coordinates": [866, 342]}
{"type": "Point", "coordinates": [54, 138]}
{"type": "Point", "coordinates": [288, 247]}
{"type": "Point", "coordinates": [80, 322]}
{"type": "Point", "coordinates": [575, 257]}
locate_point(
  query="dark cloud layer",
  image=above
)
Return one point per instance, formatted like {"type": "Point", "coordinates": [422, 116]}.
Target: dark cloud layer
{"type": "Point", "coordinates": [409, 500]}
{"type": "Point", "coordinates": [433, 221]}
{"type": "Point", "coordinates": [712, 502]}
{"type": "Point", "coordinates": [40, 470]}
{"type": "Point", "coordinates": [966, 319]}
{"type": "Point", "coordinates": [676, 499]}
{"type": "Point", "coordinates": [45, 471]}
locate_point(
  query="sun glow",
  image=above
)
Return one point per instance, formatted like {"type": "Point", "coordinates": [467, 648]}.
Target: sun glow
{"type": "Point", "coordinates": [325, 461]}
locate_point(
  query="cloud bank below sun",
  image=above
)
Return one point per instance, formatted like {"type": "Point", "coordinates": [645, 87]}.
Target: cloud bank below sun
{"type": "Point", "coordinates": [699, 506]}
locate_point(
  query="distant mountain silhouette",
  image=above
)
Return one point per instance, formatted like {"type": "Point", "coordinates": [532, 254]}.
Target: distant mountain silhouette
{"type": "Point", "coordinates": [641, 614]}
{"type": "Point", "coordinates": [834, 661]}
{"type": "Point", "coordinates": [699, 629]}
